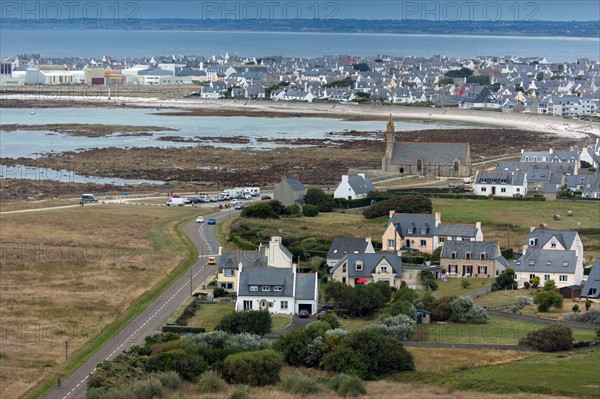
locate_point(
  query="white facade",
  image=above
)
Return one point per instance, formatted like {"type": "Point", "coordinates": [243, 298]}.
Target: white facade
{"type": "Point", "coordinates": [344, 189]}
{"type": "Point", "coordinates": [276, 305]}
{"type": "Point", "coordinates": [560, 279]}
{"type": "Point", "coordinates": [277, 254]}
{"type": "Point", "coordinates": [501, 190]}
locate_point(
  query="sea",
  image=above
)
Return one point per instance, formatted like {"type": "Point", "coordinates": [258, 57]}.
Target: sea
{"type": "Point", "coordinates": [148, 43]}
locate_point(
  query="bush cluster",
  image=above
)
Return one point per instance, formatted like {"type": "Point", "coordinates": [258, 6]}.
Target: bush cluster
{"type": "Point", "coordinates": [256, 368]}
{"type": "Point", "coordinates": [300, 384]}
{"type": "Point", "coordinates": [346, 385]}
{"type": "Point", "coordinates": [591, 316]}
{"type": "Point", "coordinates": [556, 337]}
{"type": "Point", "coordinates": [251, 321]}
{"type": "Point", "coordinates": [413, 203]}
{"type": "Point", "coordinates": [401, 327]}
{"type": "Point", "coordinates": [463, 310]}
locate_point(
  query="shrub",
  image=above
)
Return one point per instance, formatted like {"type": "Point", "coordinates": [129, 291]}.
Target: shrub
{"type": "Point", "coordinates": [346, 385]}
{"type": "Point", "coordinates": [332, 320]}
{"type": "Point", "coordinates": [588, 304]}
{"type": "Point", "coordinates": [260, 211]}
{"type": "Point", "coordinates": [294, 346]}
{"type": "Point", "coordinates": [535, 281]}
{"type": "Point", "coordinates": [368, 354]}
{"type": "Point", "coordinates": [505, 280]}
{"type": "Point", "coordinates": [549, 285]}
{"type": "Point", "coordinates": [299, 384]}
{"type": "Point", "coordinates": [440, 308]}
{"type": "Point", "coordinates": [575, 308]}
{"type": "Point", "coordinates": [210, 382]}
{"type": "Point", "coordinates": [254, 368]}
{"type": "Point", "coordinates": [148, 389]}
{"type": "Point", "coordinates": [323, 201]}
{"type": "Point", "coordinates": [250, 321]}
{"type": "Point", "coordinates": [523, 300]}
{"type": "Point", "coordinates": [239, 392]}
{"type": "Point", "coordinates": [160, 338]}
{"type": "Point", "coordinates": [465, 283]}
{"type": "Point", "coordinates": [547, 299]}
{"type": "Point", "coordinates": [413, 203]}
{"type": "Point", "coordinates": [126, 367]}
{"type": "Point", "coordinates": [188, 365]}
{"type": "Point", "coordinates": [310, 210]}
{"type": "Point", "coordinates": [219, 292]}
{"type": "Point", "coordinates": [292, 210]}
{"type": "Point", "coordinates": [556, 337]}
{"type": "Point", "coordinates": [465, 311]}
{"type": "Point", "coordinates": [400, 327]}
{"type": "Point", "coordinates": [169, 379]}
{"type": "Point", "coordinates": [526, 284]}
{"type": "Point", "coordinates": [591, 316]}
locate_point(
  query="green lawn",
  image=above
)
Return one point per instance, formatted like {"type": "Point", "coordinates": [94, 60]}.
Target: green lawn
{"type": "Point", "coordinates": [454, 288]}
{"type": "Point", "coordinates": [575, 373]}
{"type": "Point", "coordinates": [498, 330]}
{"type": "Point", "coordinates": [210, 314]}
{"type": "Point", "coordinates": [279, 322]}
{"type": "Point", "coordinates": [355, 324]}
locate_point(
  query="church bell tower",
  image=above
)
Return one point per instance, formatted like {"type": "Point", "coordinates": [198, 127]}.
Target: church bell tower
{"type": "Point", "coordinates": [390, 138]}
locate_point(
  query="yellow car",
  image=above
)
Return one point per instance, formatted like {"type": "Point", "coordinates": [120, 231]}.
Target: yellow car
{"type": "Point", "coordinates": [212, 260]}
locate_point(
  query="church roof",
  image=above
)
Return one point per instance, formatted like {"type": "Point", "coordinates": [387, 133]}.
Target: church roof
{"type": "Point", "coordinates": [407, 152]}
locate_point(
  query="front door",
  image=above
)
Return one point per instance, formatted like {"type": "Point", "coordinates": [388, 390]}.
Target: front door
{"type": "Point", "coordinates": [493, 190]}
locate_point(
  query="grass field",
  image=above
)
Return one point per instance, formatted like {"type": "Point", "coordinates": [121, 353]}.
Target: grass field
{"type": "Point", "coordinates": [7, 206]}
{"type": "Point", "coordinates": [68, 274]}
{"type": "Point", "coordinates": [576, 373]}
{"type": "Point", "coordinates": [454, 288]}
{"type": "Point", "coordinates": [445, 360]}
{"type": "Point", "coordinates": [508, 222]}
{"type": "Point", "coordinates": [209, 315]}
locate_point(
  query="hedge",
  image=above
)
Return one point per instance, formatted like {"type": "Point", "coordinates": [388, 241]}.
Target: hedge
{"type": "Point", "coordinates": [183, 329]}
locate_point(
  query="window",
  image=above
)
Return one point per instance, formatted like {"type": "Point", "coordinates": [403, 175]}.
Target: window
{"type": "Point", "coordinates": [531, 263]}
{"type": "Point", "coordinates": [483, 189]}
{"type": "Point", "coordinates": [483, 255]}
{"type": "Point", "coordinates": [518, 189]}
{"type": "Point", "coordinates": [466, 239]}
{"type": "Point", "coordinates": [344, 280]}
{"type": "Point", "coordinates": [553, 245]}
{"type": "Point", "coordinates": [549, 263]}
{"type": "Point", "coordinates": [531, 276]}
{"type": "Point", "coordinates": [344, 268]}
{"type": "Point", "coordinates": [456, 166]}
{"type": "Point", "coordinates": [254, 288]}
{"type": "Point", "coordinates": [592, 291]}
{"type": "Point", "coordinates": [452, 268]}
{"type": "Point", "coordinates": [410, 230]}
{"type": "Point", "coordinates": [453, 255]}
{"type": "Point", "coordinates": [481, 269]}
{"type": "Point", "coordinates": [278, 288]}
{"type": "Point", "coordinates": [358, 265]}
{"type": "Point", "coordinates": [468, 255]}
{"type": "Point", "coordinates": [284, 304]}
{"type": "Point", "coordinates": [441, 239]}
{"type": "Point", "coordinates": [383, 269]}
{"type": "Point", "coordinates": [247, 305]}
{"type": "Point", "coordinates": [546, 277]}
{"type": "Point", "coordinates": [423, 243]}
{"type": "Point", "coordinates": [391, 244]}
{"type": "Point", "coordinates": [566, 263]}
{"type": "Point", "coordinates": [503, 190]}
{"type": "Point", "coordinates": [229, 272]}
{"type": "Point", "coordinates": [562, 277]}
{"type": "Point", "coordinates": [266, 288]}
{"type": "Point", "coordinates": [423, 231]}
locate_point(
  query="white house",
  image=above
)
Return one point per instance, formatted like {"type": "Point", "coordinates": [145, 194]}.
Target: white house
{"type": "Point", "coordinates": [278, 290]}
{"type": "Point", "coordinates": [501, 184]}
{"type": "Point", "coordinates": [353, 187]}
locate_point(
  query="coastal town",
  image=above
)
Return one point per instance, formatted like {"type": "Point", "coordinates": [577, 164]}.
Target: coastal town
{"type": "Point", "coordinates": [508, 84]}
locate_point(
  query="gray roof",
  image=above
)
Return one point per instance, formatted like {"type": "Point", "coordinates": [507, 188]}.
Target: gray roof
{"type": "Point", "coordinates": [370, 261]}
{"type": "Point", "coordinates": [593, 282]}
{"type": "Point", "coordinates": [360, 185]}
{"type": "Point", "coordinates": [475, 248]}
{"type": "Point", "coordinates": [566, 238]}
{"type": "Point", "coordinates": [295, 184]}
{"type": "Point", "coordinates": [305, 286]}
{"type": "Point", "coordinates": [343, 245]}
{"type": "Point", "coordinates": [502, 260]}
{"type": "Point", "coordinates": [407, 152]}
{"type": "Point", "coordinates": [232, 259]}
{"type": "Point", "coordinates": [266, 276]}
{"type": "Point", "coordinates": [416, 221]}
{"type": "Point", "coordinates": [547, 261]}
{"type": "Point", "coordinates": [455, 230]}
{"type": "Point", "coordinates": [513, 178]}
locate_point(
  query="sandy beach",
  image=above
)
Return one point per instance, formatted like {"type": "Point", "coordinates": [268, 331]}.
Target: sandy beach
{"type": "Point", "coordinates": [566, 128]}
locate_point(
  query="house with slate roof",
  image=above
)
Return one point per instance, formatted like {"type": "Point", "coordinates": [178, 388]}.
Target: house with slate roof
{"type": "Point", "coordinates": [551, 255]}
{"type": "Point", "coordinates": [501, 184]}
{"type": "Point", "coordinates": [341, 246]}
{"type": "Point", "coordinates": [472, 259]}
{"type": "Point", "coordinates": [425, 232]}
{"type": "Point", "coordinates": [353, 269]}
{"type": "Point", "coordinates": [273, 254]}
{"type": "Point", "coordinates": [278, 290]}
{"type": "Point", "coordinates": [290, 192]}
{"type": "Point", "coordinates": [353, 187]}
{"type": "Point", "coordinates": [421, 158]}
{"type": "Point", "coordinates": [591, 289]}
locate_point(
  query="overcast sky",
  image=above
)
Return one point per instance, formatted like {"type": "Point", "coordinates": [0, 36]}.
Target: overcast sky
{"type": "Point", "coordinates": [553, 10]}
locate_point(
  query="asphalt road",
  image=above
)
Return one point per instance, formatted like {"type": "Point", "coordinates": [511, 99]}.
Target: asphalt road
{"type": "Point", "coordinates": [152, 318]}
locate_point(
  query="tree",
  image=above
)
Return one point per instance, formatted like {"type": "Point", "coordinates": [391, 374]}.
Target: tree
{"type": "Point", "coordinates": [401, 326]}
{"type": "Point", "coordinates": [310, 210]}
{"type": "Point", "coordinates": [459, 73]}
{"type": "Point", "coordinates": [405, 204]}
{"type": "Point", "coordinates": [322, 200]}
{"type": "Point", "coordinates": [428, 280]}
{"type": "Point", "coordinates": [505, 280]}
{"type": "Point", "coordinates": [292, 210]}
{"type": "Point", "coordinates": [556, 337]}
{"type": "Point", "coordinates": [547, 299]}
{"type": "Point", "coordinates": [294, 346]}
{"type": "Point", "coordinates": [260, 210]}
{"type": "Point", "coordinates": [535, 281]}
{"type": "Point", "coordinates": [549, 285]}
{"type": "Point", "coordinates": [445, 81]}
{"type": "Point", "coordinates": [482, 80]}
{"type": "Point", "coordinates": [539, 76]}
{"type": "Point", "coordinates": [465, 311]}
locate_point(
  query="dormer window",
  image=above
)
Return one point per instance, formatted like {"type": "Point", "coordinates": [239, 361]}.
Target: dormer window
{"type": "Point", "coordinates": [410, 230]}
{"type": "Point", "coordinates": [532, 242]}
{"type": "Point", "coordinates": [423, 231]}
{"type": "Point", "coordinates": [553, 245]}
{"type": "Point", "coordinates": [254, 288]}
{"type": "Point", "coordinates": [531, 263]}
{"type": "Point", "coordinates": [453, 255]}
{"type": "Point", "coordinates": [566, 263]}
{"type": "Point", "coordinates": [549, 263]}
{"type": "Point", "coordinates": [468, 255]}
{"type": "Point", "coordinates": [482, 256]}
{"type": "Point", "coordinates": [278, 288]}
{"type": "Point", "coordinates": [266, 288]}
{"type": "Point", "coordinates": [358, 265]}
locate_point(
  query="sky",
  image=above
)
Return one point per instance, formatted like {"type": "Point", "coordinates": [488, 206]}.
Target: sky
{"type": "Point", "coordinates": [453, 10]}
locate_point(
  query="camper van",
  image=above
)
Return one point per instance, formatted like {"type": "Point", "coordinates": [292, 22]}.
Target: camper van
{"type": "Point", "coordinates": [176, 201]}
{"type": "Point", "coordinates": [89, 198]}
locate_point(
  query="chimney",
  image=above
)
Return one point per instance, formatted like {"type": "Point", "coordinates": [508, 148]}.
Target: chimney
{"type": "Point", "coordinates": [438, 219]}
{"type": "Point", "coordinates": [344, 178]}
{"type": "Point", "coordinates": [551, 151]}
{"type": "Point", "coordinates": [478, 225]}
{"type": "Point", "coordinates": [220, 251]}
{"type": "Point", "coordinates": [368, 239]}
{"type": "Point", "coordinates": [392, 213]}
{"type": "Point", "coordinates": [531, 229]}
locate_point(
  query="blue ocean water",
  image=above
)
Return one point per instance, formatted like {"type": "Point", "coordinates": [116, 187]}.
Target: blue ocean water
{"type": "Point", "coordinates": [145, 43]}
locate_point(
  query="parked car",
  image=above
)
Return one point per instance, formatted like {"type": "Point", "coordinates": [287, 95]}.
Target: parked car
{"type": "Point", "coordinates": [176, 201]}
{"type": "Point", "coordinates": [239, 206]}
{"type": "Point", "coordinates": [212, 221]}
{"type": "Point", "coordinates": [199, 219]}
{"type": "Point", "coordinates": [213, 198]}
{"type": "Point", "coordinates": [451, 185]}
{"type": "Point", "coordinates": [408, 249]}
{"type": "Point", "coordinates": [265, 197]}
{"type": "Point", "coordinates": [247, 196]}
{"type": "Point", "coordinates": [303, 314]}
{"type": "Point", "coordinates": [89, 198]}
{"type": "Point", "coordinates": [234, 201]}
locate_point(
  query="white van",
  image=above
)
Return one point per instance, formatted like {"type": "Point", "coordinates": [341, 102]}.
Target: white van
{"type": "Point", "coordinates": [176, 201]}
